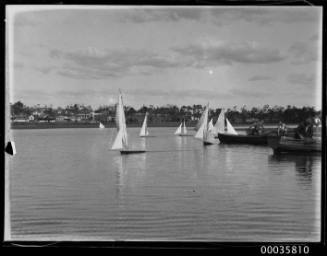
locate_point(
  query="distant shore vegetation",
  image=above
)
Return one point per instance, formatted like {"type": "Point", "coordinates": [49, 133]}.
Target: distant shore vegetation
{"type": "Point", "coordinates": [158, 114]}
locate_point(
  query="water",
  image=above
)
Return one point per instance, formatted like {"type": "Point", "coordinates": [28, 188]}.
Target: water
{"type": "Point", "coordinates": [66, 184]}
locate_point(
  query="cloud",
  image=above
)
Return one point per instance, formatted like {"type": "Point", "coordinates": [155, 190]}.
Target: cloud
{"type": "Point", "coordinates": [222, 15]}
{"type": "Point", "coordinates": [301, 78]}
{"type": "Point", "coordinates": [260, 78]}
{"type": "Point", "coordinates": [223, 53]}
{"type": "Point", "coordinates": [247, 93]}
{"type": "Point", "coordinates": [92, 63]}
{"type": "Point", "coordinates": [303, 52]}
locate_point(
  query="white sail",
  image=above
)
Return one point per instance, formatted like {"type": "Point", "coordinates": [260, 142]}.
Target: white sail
{"type": "Point", "coordinates": [14, 151]}
{"type": "Point", "coordinates": [179, 130]}
{"type": "Point", "coordinates": [220, 124]}
{"type": "Point", "coordinates": [230, 128]}
{"type": "Point", "coordinates": [203, 127]}
{"type": "Point", "coordinates": [199, 123]}
{"type": "Point", "coordinates": [184, 128]}
{"type": "Point", "coordinates": [101, 126]}
{"type": "Point", "coordinates": [210, 126]}
{"type": "Point", "coordinates": [121, 137]}
{"type": "Point", "coordinates": [144, 130]}
{"type": "Point", "coordinates": [118, 143]}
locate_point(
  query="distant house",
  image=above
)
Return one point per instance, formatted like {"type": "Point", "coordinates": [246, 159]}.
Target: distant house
{"type": "Point", "coordinates": [31, 118]}
{"type": "Point", "coordinates": [61, 118]}
{"type": "Point", "coordinates": [84, 116]}
{"type": "Point", "coordinates": [21, 119]}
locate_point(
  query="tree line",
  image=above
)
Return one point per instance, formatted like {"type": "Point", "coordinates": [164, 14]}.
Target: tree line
{"type": "Point", "coordinates": [173, 113]}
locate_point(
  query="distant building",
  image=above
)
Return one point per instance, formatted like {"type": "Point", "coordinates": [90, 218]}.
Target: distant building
{"type": "Point", "coordinates": [21, 119]}
{"type": "Point", "coordinates": [62, 118]}
{"type": "Point", "coordinates": [85, 116]}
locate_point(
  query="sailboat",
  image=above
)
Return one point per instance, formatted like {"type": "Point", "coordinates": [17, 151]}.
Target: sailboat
{"type": "Point", "coordinates": [144, 130]}
{"type": "Point", "coordinates": [181, 130]}
{"type": "Point", "coordinates": [204, 133]}
{"type": "Point", "coordinates": [101, 126]}
{"type": "Point", "coordinates": [121, 141]}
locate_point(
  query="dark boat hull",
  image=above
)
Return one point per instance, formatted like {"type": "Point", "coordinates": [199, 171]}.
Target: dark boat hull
{"type": "Point", "coordinates": [242, 139]}
{"type": "Point", "coordinates": [291, 145]}
{"type": "Point", "coordinates": [207, 143]}
{"type": "Point", "coordinates": [128, 152]}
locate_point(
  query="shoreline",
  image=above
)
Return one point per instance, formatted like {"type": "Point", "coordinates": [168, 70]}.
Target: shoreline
{"type": "Point", "coordinates": [58, 125]}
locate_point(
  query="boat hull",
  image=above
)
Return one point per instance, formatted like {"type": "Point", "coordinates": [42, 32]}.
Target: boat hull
{"type": "Point", "coordinates": [291, 145]}
{"type": "Point", "coordinates": [242, 139]}
{"type": "Point", "coordinates": [128, 152]}
{"type": "Point", "coordinates": [207, 143]}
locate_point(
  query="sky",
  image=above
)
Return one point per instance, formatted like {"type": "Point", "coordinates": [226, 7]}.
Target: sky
{"type": "Point", "coordinates": [227, 56]}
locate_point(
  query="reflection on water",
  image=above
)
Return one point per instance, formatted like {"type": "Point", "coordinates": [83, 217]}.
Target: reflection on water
{"type": "Point", "coordinates": [303, 164]}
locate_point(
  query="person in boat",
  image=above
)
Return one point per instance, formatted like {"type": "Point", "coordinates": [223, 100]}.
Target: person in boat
{"type": "Point", "coordinates": [304, 129]}
{"type": "Point", "coordinates": [256, 128]}
{"type": "Point", "coordinates": [282, 129]}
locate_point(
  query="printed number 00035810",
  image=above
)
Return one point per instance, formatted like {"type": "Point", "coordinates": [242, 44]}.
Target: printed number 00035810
{"type": "Point", "coordinates": [284, 249]}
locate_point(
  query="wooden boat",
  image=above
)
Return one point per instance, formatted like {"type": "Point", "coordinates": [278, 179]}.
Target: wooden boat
{"type": "Point", "coordinates": [227, 138]}
{"type": "Point", "coordinates": [228, 135]}
{"type": "Point", "coordinates": [291, 145]}
{"type": "Point", "coordinates": [121, 142]}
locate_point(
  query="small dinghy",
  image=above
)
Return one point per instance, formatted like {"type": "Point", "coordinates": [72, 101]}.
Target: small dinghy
{"type": "Point", "coordinates": [228, 135]}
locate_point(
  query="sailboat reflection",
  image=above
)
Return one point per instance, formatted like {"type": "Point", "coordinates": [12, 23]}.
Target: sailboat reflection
{"type": "Point", "coordinates": [130, 171]}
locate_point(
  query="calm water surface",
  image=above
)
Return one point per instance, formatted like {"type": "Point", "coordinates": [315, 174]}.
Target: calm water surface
{"type": "Point", "coordinates": [68, 184]}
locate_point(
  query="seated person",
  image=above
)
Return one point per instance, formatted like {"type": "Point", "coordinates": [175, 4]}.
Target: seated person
{"type": "Point", "coordinates": [282, 129]}
{"type": "Point", "coordinates": [304, 130]}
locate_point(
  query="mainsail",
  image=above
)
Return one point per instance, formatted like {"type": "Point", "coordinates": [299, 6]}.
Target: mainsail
{"type": "Point", "coordinates": [101, 126]}
{"type": "Point", "coordinates": [220, 124]}
{"type": "Point", "coordinates": [230, 128]}
{"type": "Point", "coordinates": [184, 131]}
{"type": "Point", "coordinates": [144, 130]}
{"type": "Point", "coordinates": [203, 127]}
{"type": "Point", "coordinates": [199, 123]}
{"type": "Point", "coordinates": [121, 137]}
{"type": "Point", "coordinates": [178, 130]}
{"type": "Point", "coordinates": [210, 126]}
